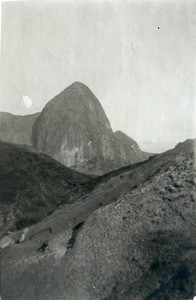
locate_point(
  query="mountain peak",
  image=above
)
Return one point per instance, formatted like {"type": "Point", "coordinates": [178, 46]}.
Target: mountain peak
{"type": "Point", "coordinates": [122, 135]}
{"type": "Point", "coordinates": [119, 132]}
{"type": "Point", "coordinates": [77, 86]}
{"type": "Point", "coordinates": [73, 127]}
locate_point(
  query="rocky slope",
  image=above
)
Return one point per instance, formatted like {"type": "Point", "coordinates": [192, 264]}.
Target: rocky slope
{"type": "Point", "coordinates": [130, 237]}
{"type": "Point", "coordinates": [16, 129]}
{"type": "Point", "coordinates": [73, 129]}
{"type": "Point", "coordinates": [126, 152]}
{"type": "Point", "coordinates": [32, 185]}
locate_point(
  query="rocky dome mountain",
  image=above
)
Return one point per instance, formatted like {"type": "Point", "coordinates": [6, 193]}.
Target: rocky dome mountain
{"type": "Point", "coordinates": [74, 129]}
{"type": "Point", "coordinates": [131, 236]}
{"type": "Point", "coordinates": [32, 185]}
{"type": "Point", "coordinates": [16, 129]}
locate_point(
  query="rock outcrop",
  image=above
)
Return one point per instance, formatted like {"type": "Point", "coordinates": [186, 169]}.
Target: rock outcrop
{"type": "Point", "coordinates": [74, 129]}
{"type": "Point", "coordinates": [16, 129]}
{"type": "Point", "coordinates": [131, 237]}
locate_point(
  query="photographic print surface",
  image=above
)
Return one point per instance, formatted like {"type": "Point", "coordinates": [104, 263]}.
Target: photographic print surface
{"type": "Point", "coordinates": [97, 147]}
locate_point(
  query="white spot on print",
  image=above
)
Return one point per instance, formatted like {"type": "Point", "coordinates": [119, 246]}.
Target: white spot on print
{"type": "Point", "coordinates": [27, 101]}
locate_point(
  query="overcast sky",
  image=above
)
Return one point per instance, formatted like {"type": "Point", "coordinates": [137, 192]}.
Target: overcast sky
{"type": "Point", "coordinates": [138, 58]}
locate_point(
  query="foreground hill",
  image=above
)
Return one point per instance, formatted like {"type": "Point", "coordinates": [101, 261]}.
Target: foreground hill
{"type": "Point", "coordinates": [32, 185]}
{"type": "Point", "coordinates": [130, 237]}
{"type": "Point", "coordinates": [16, 129]}
{"type": "Point", "coordinates": [74, 129]}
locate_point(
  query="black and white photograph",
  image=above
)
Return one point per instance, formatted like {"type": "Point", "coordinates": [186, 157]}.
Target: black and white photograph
{"type": "Point", "coordinates": [97, 149]}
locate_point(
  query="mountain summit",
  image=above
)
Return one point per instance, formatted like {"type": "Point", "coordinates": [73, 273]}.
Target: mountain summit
{"type": "Point", "coordinates": [74, 129]}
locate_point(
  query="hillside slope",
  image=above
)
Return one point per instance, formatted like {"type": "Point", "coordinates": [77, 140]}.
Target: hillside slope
{"type": "Point", "coordinates": [130, 237]}
{"type": "Point", "coordinates": [32, 185]}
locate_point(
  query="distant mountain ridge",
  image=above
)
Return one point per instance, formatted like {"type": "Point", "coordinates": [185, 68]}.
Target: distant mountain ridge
{"type": "Point", "coordinates": [16, 129]}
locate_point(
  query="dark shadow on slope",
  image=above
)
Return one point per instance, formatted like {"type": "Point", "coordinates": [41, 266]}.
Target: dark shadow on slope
{"type": "Point", "coordinates": [74, 235]}
{"type": "Point", "coordinates": [171, 273]}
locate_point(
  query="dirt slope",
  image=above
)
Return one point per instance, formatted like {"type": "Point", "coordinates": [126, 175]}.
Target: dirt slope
{"type": "Point", "coordinates": [131, 237]}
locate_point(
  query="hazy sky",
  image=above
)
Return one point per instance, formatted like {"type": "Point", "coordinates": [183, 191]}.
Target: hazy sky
{"type": "Point", "coordinates": [143, 76]}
